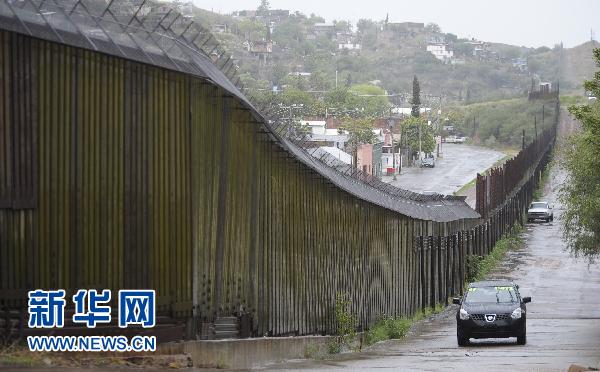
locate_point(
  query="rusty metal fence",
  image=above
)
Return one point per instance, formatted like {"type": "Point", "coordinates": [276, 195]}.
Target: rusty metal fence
{"type": "Point", "coordinates": [506, 191]}
{"type": "Point", "coordinates": [141, 175]}
{"type": "Point", "coordinates": [498, 184]}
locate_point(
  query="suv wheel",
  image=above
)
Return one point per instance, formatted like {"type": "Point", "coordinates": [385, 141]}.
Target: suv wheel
{"type": "Point", "coordinates": [522, 339]}
{"type": "Point", "coordinates": [461, 339]}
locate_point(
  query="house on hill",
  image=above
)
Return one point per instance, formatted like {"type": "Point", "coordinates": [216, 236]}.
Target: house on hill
{"type": "Point", "coordinates": [441, 51]}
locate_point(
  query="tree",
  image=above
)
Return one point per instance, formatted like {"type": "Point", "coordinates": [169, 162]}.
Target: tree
{"type": "Point", "coordinates": [349, 80]}
{"type": "Point", "coordinates": [252, 30]}
{"type": "Point", "coordinates": [295, 96]}
{"type": "Point", "coordinates": [433, 28]}
{"type": "Point", "coordinates": [369, 99]}
{"type": "Point", "coordinates": [337, 97]}
{"type": "Point", "coordinates": [581, 194]}
{"type": "Point", "coordinates": [360, 132]}
{"type": "Point", "coordinates": [411, 127]}
{"type": "Point", "coordinates": [263, 8]}
{"type": "Point", "coordinates": [416, 98]}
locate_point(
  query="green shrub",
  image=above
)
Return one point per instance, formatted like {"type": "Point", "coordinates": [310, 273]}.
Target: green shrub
{"type": "Point", "coordinates": [388, 328]}
{"type": "Point", "coordinates": [346, 322]}
{"type": "Point", "coordinates": [473, 266]}
{"type": "Point", "coordinates": [334, 347]}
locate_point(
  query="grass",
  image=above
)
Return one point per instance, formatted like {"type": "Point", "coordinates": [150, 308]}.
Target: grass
{"type": "Point", "coordinates": [538, 193]}
{"type": "Point", "coordinates": [572, 100]}
{"type": "Point", "coordinates": [392, 328]}
{"type": "Point", "coordinates": [500, 124]}
{"type": "Point", "coordinates": [474, 180]}
{"type": "Point", "coordinates": [479, 267]}
{"type": "Point", "coordinates": [18, 361]}
{"type": "Point", "coordinates": [466, 187]}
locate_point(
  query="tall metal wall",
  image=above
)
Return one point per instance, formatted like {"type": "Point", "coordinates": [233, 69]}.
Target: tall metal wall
{"type": "Point", "coordinates": [115, 174]}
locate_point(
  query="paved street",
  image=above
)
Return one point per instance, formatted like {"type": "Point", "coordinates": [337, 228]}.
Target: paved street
{"type": "Point", "coordinates": [563, 321]}
{"type": "Point", "coordinates": [458, 166]}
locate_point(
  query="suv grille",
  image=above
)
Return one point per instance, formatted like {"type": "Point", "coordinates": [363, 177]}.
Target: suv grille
{"type": "Point", "coordinates": [538, 214]}
{"type": "Point", "coordinates": [481, 317]}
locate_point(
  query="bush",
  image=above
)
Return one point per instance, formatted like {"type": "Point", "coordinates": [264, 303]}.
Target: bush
{"type": "Point", "coordinates": [346, 323]}
{"type": "Point", "coordinates": [473, 266]}
{"type": "Point", "coordinates": [388, 328]}
{"type": "Point", "coordinates": [478, 267]}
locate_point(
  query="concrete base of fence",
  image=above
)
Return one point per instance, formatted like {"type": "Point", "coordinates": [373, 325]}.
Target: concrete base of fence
{"type": "Point", "coordinates": [247, 353]}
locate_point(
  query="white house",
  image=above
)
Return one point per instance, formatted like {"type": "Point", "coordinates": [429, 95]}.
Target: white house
{"type": "Point", "coordinates": [441, 52]}
{"type": "Point", "coordinates": [349, 46]}
{"type": "Point", "coordinates": [316, 126]}
{"type": "Point", "coordinates": [387, 160]}
{"type": "Point", "coordinates": [405, 111]}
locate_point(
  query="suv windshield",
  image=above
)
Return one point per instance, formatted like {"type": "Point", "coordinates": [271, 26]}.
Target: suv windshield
{"type": "Point", "coordinates": [491, 294]}
{"type": "Point", "coordinates": [538, 205]}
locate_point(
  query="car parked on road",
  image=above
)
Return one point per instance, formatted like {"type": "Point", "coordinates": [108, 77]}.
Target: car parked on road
{"type": "Point", "coordinates": [454, 139]}
{"type": "Point", "coordinates": [540, 211]}
{"type": "Point", "coordinates": [428, 162]}
{"type": "Point", "coordinates": [491, 309]}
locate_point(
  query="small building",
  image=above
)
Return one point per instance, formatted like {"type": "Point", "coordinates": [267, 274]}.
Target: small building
{"type": "Point", "coordinates": [545, 87]}
{"type": "Point", "coordinates": [405, 111]}
{"type": "Point", "coordinates": [329, 139]}
{"type": "Point", "coordinates": [441, 51]}
{"type": "Point", "coordinates": [316, 126]}
{"type": "Point", "coordinates": [323, 28]}
{"type": "Point", "coordinates": [406, 28]}
{"type": "Point", "coordinates": [259, 49]}
{"type": "Point", "coordinates": [390, 159]}
{"type": "Point", "coordinates": [349, 46]}
{"type": "Point", "coordinates": [244, 14]}
{"type": "Point", "coordinates": [520, 64]}
{"type": "Point", "coordinates": [368, 158]}
{"type": "Point", "coordinates": [300, 74]}
{"type": "Point", "coordinates": [219, 28]}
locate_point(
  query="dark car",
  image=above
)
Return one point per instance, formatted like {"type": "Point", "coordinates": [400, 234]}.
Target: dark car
{"type": "Point", "coordinates": [491, 309]}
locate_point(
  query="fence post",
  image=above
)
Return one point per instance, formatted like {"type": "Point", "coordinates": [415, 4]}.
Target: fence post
{"type": "Point", "coordinates": [422, 272]}
{"type": "Point", "coordinates": [432, 265]}
{"type": "Point", "coordinates": [441, 284]}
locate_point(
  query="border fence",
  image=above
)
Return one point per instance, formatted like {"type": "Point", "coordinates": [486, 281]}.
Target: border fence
{"type": "Point", "coordinates": [503, 195]}
{"type": "Point", "coordinates": [130, 160]}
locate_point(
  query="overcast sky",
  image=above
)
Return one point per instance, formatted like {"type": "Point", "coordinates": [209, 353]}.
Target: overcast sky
{"type": "Point", "coordinates": [532, 23]}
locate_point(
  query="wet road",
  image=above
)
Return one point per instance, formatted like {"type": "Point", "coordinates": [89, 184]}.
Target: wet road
{"type": "Point", "coordinates": [458, 166]}
{"type": "Point", "coordinates": [563, 321]}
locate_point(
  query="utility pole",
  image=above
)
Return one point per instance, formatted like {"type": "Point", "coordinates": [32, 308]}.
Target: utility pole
{"type": "Point", "coordinates": [523, 145]}
{"type": "Point", "coordinates": [439, 145]}
{"type": "Point", "coordinates": [336, 79]}
{"type": "Point", "coordinates": [400, 148]}
{"type": "Point", "coordinates": [543, 114]}
{"type": "Point", "coordinates": [391, 125]}
{"type": "Point", "coordinates": [419, 142]}
{"type": "Point", "coordinates": [535, 125]}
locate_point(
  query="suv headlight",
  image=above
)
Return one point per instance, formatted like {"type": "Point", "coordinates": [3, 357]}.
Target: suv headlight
{"type": "Point", "coordinates": [516, 314]}
{"type": "Point", "coordinates": [463, 314]}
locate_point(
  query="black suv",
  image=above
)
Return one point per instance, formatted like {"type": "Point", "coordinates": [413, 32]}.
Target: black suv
{"type": "Point", "coordinates": [491, 309]}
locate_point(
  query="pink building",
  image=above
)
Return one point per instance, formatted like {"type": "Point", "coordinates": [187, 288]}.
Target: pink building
{"type": "Point", "coordinates": [364, 158]}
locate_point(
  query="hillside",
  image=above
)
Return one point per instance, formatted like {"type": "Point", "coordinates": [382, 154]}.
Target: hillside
{"type": "Point", "coordinates": [571, 66]}
{"type": "Point", "coordinates": [390, 55]}
{"type": "Point", "coordinates": [500, 124]}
